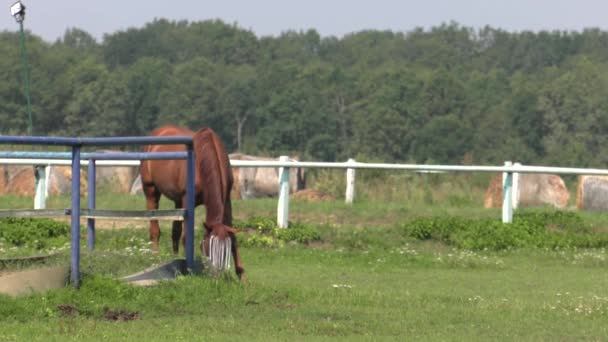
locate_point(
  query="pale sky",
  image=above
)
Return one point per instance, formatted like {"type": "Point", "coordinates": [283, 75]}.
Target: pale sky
{"type": "Point", "coordinates": [50, 18]}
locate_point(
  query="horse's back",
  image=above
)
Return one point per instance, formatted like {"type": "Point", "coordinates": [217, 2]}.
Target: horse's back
{"type": "Point", "coordinates": [168, 176]}
{"type": "Point", "coordinates": [168, 131]}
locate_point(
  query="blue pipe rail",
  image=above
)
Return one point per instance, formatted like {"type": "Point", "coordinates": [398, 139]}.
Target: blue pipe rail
{"type": "Point", "coordinates": [76, 144]}
{"type": "Point", "coordinates": [94, 155]}
{"type": "Point", "coordinates": [65, 141]}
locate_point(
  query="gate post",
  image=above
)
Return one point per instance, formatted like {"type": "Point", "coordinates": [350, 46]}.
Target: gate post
{"type": "Point", "coordinates": [507, 195]}
{"type": "Point", "coordinates": [41, 180]}
{"type": "Point", "coordinates": [283, 206]}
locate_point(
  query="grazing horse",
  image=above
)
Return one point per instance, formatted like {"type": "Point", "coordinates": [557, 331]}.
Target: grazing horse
{"type": "Point", "coordinates": [213, 182]}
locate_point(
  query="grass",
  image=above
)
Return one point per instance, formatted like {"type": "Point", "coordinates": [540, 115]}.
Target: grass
{"type": "Point", "coordinates": [365, 281]}
{"type": "Point", "coordinates": [411, 292]}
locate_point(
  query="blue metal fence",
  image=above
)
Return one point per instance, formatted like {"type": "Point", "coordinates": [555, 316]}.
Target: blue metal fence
{"type": "Point", "coordinates": [76, 155]}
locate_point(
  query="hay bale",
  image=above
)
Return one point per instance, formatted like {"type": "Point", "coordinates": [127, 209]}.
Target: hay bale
{"type": "Point", "coordinates": [20, 180]}
{"type": "Point", "coordinates": [118, 179]}
{"type": "Point", "coordinates": [493, 197]}
{"type": "Point", "coordinates": [136, 187]}
{"type": "Point", "coordinates": [60, 180]}
{"type": "Point", "coordinates": [533, 190]}
{"type": "Point", "coordinates": [592, 193]}
{"type": "Point", "coordinates": [257, 182]}
{"type": "Point", "coordinates": [2, 179]}
{"type": "Point", "coordinates": [311, 195]}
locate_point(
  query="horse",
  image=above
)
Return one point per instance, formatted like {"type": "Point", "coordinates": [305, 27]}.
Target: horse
{"type": "Point", "coordinates": [212, 186]}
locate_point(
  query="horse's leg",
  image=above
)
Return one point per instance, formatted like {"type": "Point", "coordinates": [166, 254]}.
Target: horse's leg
{"type": "Point", "coordinates": [237, 259]}
{"type": "Point", "coordinates": [235, 251]}
{"type": "Point", "coordinates": [152, 199]}
{"type": "Point", "coordinates": [177, 230]}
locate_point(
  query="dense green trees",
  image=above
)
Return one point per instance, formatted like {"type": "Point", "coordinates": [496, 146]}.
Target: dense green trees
{"type": "Point", "coordinates": [450, 94]}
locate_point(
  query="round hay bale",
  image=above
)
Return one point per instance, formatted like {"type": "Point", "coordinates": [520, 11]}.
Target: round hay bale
{"type": "Point", "coordinates": [2, 179]}
{"type": "Point", "coordinates": [60, 180]}
{"type": "Point", "coordinates": [493, 197]}
{"type": "Point", "coordinates": [20, 180]}
{"type": "Point", "coordinates": [260, 182]}
{"type": "Point", "coordinates": [235, 193]}
{"type": "Point", "coordinates": [136, 187]}
{"type": "Point", "coordinates": [592, 193]}
{"type": "Point", "coordinates": [117, 179]}
{"type": "Point", "coordinates": [533, 190]}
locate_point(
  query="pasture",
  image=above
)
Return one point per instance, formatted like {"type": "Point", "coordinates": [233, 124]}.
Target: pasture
{"type": "Point", "coordinates": [367, 279]}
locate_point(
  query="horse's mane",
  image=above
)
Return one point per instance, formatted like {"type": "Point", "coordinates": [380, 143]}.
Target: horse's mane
{"type": "Point", "coordinates": [216, 176]}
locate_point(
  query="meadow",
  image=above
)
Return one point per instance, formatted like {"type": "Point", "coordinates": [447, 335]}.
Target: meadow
{"type": "Point", "coordinates": [367, 276]}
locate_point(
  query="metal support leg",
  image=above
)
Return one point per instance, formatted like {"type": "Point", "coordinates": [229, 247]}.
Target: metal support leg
{"type": "Point", "coordinates": [75, 218]}
{"type": "Point", "coordinates": [190, 210]}
{"type": "Point", "coordinates": [91, 200]}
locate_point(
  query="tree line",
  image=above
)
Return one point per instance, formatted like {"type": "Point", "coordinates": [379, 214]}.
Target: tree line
{"type": "Point", "coordinates": [448, 94]}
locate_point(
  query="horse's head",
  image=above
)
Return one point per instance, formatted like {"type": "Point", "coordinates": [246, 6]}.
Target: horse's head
{"type": "Point", "coordinates": [217, 245]}
{"type": "Point", "coordinates": [220, 230]}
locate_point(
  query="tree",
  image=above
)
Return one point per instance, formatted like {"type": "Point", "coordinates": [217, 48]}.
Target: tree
{"type": "Point", "coordinates": [145, 81]}
{"type": "Point", "coordinates": [239, 98]}
{"type": "Point", "coordinates": [575, 114]}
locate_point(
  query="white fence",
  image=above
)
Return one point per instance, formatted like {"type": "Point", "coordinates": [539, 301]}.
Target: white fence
{"type": "Point", "coordinates": [509, 171]}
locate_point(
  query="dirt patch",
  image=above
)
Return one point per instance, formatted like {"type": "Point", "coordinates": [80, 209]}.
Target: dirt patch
{"type": "Point", "coordinates": [68, 310]}
{"type": "Point", "coordinates": [312, 195]}
{"type": "Point", "coordinates": [119, 315]}
{"type": "Point", "coordinates": [320, 245]}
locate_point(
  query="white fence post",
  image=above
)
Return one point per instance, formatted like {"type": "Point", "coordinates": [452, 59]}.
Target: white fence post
{"type": "Point", "coordinates": [350, 183]}
{"type": "Point", "coordinates": [516, 188]}
{"type": "Point", "coordinates": [507, 195]}
{"type": "Point", "coordinates": [283, 206]}
{"type": "Point", "coordinates": [41, 182]}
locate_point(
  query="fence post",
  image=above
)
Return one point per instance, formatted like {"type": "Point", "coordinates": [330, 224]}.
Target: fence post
{"type": "Point", "coordinates": [41, 180]}
{"type": "Point", "coordinates": [283, 206]}
{"type": "Point", "coordinates": [47, 181]}
{"type": "Point", "coordinates": [507, 195]}
{"type": "Point", "coordinates": [516, 188]}
{"type": "Point", "coordinates": [350, 183]}
{"type": "Point", "coordinates": [75, 218]}
{"type": "Point", "coordinates": [190, 201]}
{"type": "Point", "coordinates": [92, 175]}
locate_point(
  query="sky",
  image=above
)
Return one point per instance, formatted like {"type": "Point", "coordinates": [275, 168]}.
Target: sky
{"type": "Point", "coordinates": [50, 18]}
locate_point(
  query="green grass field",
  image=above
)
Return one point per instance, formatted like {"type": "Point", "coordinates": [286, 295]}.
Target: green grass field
{"type": "Point", "coordinates": [365, 280]}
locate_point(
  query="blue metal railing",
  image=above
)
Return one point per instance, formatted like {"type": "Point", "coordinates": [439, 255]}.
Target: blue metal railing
{"type": "Point", "coordinates": [76, 144]}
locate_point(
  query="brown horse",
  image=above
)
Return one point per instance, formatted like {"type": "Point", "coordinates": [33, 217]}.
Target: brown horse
{"type": "Point", "coordinates": [213, 182]}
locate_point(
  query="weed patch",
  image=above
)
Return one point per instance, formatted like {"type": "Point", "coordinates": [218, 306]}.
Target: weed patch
{"type": "Point", "coordinates": [544, 229]}
{"type": "Point", "coordinates": [264, 232]}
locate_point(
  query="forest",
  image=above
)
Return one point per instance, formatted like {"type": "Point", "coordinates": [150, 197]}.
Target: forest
{"type": "Point", "coordinates": [448, 94]}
